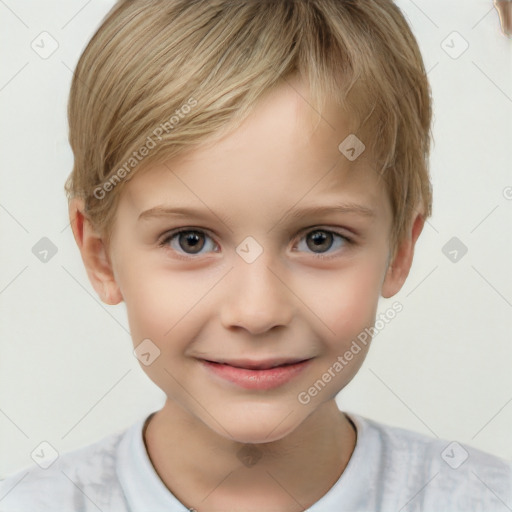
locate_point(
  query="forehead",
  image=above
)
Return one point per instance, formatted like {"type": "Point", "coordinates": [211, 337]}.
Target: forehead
{"type": "Point", "coordinates": [284, 153]}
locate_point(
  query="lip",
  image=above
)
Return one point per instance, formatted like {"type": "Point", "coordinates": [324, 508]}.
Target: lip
{"type": "Point", "coordinates": [271, 374]}
{"type": "Point", "coordinates": [250, 364]}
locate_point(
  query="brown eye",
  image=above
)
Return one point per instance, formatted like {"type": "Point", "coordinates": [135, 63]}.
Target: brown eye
{"type": "Point", "coordinates": [319, 242]}
{"type": "Point", "coordinates": [193, 240]}
{"type": "Point", "coordinates": [189, 241]}
{"type": "Point", "coordinates": [319, 239]}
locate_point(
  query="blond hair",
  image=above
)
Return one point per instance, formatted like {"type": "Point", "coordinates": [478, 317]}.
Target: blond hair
{"type": "Point", "coordinates": [174, 72]}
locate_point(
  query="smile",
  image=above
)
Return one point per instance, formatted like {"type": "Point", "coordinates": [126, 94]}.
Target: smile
{"type": "Point", "coordinates": [257, 375]}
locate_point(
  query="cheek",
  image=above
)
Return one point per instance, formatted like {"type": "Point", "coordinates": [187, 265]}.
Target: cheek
{"type": "Point", "coordinates": [161, 303]}
{"type": "Point", "coordinates": [160, 309]}
{"type": "Point", "coordinates": [151, 300]}
{"type": "Point", "coordinates": [346, 302]}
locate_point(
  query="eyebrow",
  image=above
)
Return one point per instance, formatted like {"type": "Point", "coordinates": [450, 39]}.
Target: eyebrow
{"type": "Point", "coordinates": [352, 208]}
{"type": "Point", "coordinates": [175, 211]}
{"type": "Point", "coordinates": [295, 213]}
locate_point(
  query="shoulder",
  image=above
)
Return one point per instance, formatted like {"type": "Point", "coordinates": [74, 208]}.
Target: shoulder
{"type": "Point", "coordinates": [437, 474]}
{"type": "Point", "coordinates": [82, 479]}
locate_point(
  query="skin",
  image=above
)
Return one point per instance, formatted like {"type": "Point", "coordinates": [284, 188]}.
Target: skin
{"type": "Point", "coordinates": [212, 304]}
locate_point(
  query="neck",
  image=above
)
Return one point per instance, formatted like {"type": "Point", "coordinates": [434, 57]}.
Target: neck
{"type": "Point", "coordinates": [208, 472]}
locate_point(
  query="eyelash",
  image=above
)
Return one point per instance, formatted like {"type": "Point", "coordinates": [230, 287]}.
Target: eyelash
{"type": "Point", "coordinates": [164, 243]}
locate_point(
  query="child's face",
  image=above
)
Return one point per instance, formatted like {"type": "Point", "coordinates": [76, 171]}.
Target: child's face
{"type": "Point", "coordinates": [217, 304]}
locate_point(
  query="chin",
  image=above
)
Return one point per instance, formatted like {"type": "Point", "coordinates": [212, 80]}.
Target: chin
{"type": "Point", "coordinates": [257, 426]}
{"type": "Point", "coordinates": [255, 435]}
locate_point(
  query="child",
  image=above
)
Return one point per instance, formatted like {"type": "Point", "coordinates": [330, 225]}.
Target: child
{"type": "Point", "coordinates": [287, 142]}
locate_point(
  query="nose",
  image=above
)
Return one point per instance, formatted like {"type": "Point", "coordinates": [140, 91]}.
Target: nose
{"type": "Point", "coordinates": [257, 297]}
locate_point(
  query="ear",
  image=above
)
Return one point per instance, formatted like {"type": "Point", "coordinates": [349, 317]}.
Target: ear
{"type": "Point", "coordinates": [398, 269]}
{"type": "Point", "coordinates": [94, 254]}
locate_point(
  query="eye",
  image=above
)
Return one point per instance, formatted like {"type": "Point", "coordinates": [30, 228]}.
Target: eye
{"type": "Point", "coordinates": [190, 241]}
{"type": "Point", "coordinates": [322, 240]}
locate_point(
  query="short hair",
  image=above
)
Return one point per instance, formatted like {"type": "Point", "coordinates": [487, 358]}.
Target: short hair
{"type": "Point", "coordinates": [165, 75]}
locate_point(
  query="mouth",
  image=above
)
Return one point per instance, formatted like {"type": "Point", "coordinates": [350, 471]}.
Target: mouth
{"type": "Point", "coordinates": [258, 365]}
{"type": "Point", "coordinates": [256, 375]}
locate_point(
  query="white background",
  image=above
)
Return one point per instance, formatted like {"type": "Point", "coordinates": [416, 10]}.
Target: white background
{"type": "Point", "coordinates": [441, 367]}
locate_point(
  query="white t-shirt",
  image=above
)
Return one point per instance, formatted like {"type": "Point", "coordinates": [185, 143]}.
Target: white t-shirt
{"type": "Point", "coordinates": [391, 470]}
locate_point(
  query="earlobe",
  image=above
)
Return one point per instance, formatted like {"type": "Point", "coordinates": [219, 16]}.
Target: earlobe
{"type": "Point", "coordinates": [399, 268]}
{"type": "Point", "coordinates": [94, 254]}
